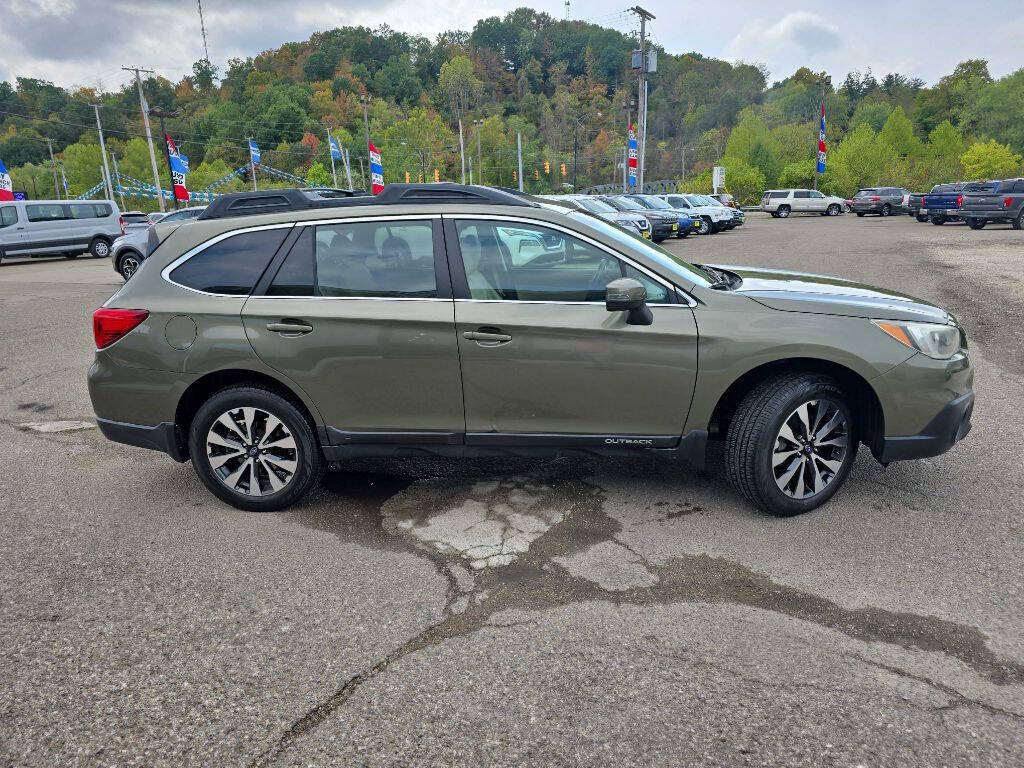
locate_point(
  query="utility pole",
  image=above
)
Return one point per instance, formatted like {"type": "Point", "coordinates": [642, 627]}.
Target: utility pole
{"type": "Point", "coordinates": [519, 156]}
{"type": "Point", "coordinates": [362, 174]}
{"type": "Point", "coordinates": [365, 101]}
{"type": "Point", "coordinates": [53, 167]}
{"type": "Point", "coordinates": [202, 27]}
{"type": "Point", "coordinates": [462, 152]}
{"type": "Point", "coordinates": [470, 169]}
{"type": "Point", "coordinates": [252, 164]}
{"type": "Point", "coordinates": [149, 133]}
{"type": "Point", "coordinates": [330, 152]}
{"type": "Point", "coordinates": [117, 175]}
{"type": "Point", "coordinates": [682, 162]}
{"type": "Point", "coordinates": [103, 151]}
{"type": "Point", "coordinates": [348, 167]}
{"type": "Point", "coordinates": [645, 16]}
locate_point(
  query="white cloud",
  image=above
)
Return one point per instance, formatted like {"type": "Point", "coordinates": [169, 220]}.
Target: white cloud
{"type": "Point", "coordinates": [798, 34]}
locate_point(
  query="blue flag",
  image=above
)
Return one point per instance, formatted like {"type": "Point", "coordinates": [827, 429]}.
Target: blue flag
{"type": "Point", "coordinates": [335, 149]}
{"type": "Point", "coordinates": [254, 152]}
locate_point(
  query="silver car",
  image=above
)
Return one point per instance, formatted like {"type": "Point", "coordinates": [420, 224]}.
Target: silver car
{"type": "Point", "coordinates": [631, 221]}
{"type": "Point", "coordinates": [128, 251]}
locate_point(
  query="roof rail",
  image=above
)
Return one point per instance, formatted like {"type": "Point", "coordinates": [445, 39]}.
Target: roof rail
{"type": "Point", "coordinates": [281, 200]}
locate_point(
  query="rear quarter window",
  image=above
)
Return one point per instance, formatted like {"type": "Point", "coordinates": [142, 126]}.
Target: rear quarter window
{"type": "Point", "coordinates": [45, 212]}
{"type": "Point", "coordinates": [776, 195]}
{"type": "Point", "coordinates": [230, 266]}
{"type": "Point", "coordinates": [8, 215]}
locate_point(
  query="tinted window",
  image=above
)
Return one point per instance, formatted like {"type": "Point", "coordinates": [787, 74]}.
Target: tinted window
{"type": "Point", "coordinates": [656, 292]}
{"type": "Point", "coordinates": [815, 194]}
{"type": "Point", "coordinates": [801, 193]}
{"type": "Point", "coordinates": [233, 265]}
{"type": "Point", "coordinates": [8, 215]}
{"type": "Point", "coordinates": [776, 195]}
{"type": "Point", "coordinates": [677, 201]}
{"type": "Point", "coordinates": [45, 212]}
{"type": "Point", "coordinates": [385, 259]}
{"type": "Point", "coordinates": [525, 262]}
{"type": "Point", "coordinates": [1019, 186]}
{"type": "Point", "coordinates": [82, 211]}
{"type": "Point", "coordinates": [102, 211]}
{"type": "Point", "coordinates": [297, 276]}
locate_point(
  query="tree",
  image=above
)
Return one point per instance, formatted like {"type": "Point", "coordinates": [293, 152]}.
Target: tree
{"type": "Point", "coordinates": [991, 160]}
{"type": "Point", "coordinates": [743, 180]}
{"type": "Point", "coordinates": [458, 85]}
{"type": "Point", "coordinates": [898, 133]}
{"type": "Point", "coordinates": [318, 175]}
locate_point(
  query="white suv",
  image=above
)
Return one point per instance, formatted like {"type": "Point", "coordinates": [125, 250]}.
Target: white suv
{"type": "Point", "coordinates": [782, 202]}
{"type": "Point", "coordinates": [713, 218]}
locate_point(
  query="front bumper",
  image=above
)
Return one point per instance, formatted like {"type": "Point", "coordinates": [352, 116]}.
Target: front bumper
{"type": "Point", "coordinates": [949, 426]}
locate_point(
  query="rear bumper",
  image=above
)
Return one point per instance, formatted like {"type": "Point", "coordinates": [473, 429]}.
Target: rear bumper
{"type": "Point", "coordinates": [988, 214]}
{"type": "Point", "coordinates": [163, 437]}
{"type": "Point", "coordinates": [948, 427]}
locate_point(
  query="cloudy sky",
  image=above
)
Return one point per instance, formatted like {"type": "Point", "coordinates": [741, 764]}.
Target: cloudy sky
{"type": "Point", "coordinates": [85, 42]}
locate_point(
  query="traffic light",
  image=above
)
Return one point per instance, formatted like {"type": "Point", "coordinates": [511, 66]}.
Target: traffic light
{"type": "Point", "coordinates": [437, 175]}
{"type": "Point", "coordinates": [547, 167]}
{"type": "Point", "coordinates": [515, 176]}
{"type": "Point", "coordinates": [419, 179]}
{"type": "Point", "coordinates": [563, 170]}
{"type": "Point", "coordinates": [406, 177]}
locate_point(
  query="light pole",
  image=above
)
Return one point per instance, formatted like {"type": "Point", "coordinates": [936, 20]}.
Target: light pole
{"type": "Point", "coordinates": [365, 101]}
{"type": "Point", "coordinates": [479, 158]}
{"type": "Point", "coordinates": [160, 113]}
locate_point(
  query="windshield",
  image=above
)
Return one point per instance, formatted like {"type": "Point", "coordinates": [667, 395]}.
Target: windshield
{"type": "Point", "coordinates": [657, 203]}
{"type": "Point", "coordinates": [594, 206]}
{"type": "Point", "coordinates": [685, 272]}
{"type": "Point", "coordinates": [709, 200]}
{"type": "Point", "coordinates": [694, 200]}
{"type": "Point", "coordinates": [625, 204]}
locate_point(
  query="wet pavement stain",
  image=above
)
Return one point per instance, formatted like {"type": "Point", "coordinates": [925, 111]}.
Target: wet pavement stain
{"type": "Point", "coordinates": [536, 580]}
{"type": "Point", "coordinates": [34, 407]}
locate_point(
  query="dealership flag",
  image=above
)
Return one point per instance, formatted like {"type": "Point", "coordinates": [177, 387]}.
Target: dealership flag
{"type": "Point", "coordinates": [821, 141]}
{"type": "Point", "coordinates": [6, 188]}
{"type": "Point", "coordinates": [254, 152]}
{"type": "Point", "coordinates": [179, 167]}
{"type": "Point", "coordinates": [633, 154]}
{"type": "Point", "coordinates": [335, 149]}
{"type": "Point", "coordinates": [376, 171]}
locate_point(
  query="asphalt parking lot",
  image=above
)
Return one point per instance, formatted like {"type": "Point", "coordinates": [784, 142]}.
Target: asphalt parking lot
{"type": "Point", "coordinates": [566, 612]}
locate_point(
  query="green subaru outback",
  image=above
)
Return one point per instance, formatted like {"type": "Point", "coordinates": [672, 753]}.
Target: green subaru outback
{"type": "Point", "coordinates": [285, 332]}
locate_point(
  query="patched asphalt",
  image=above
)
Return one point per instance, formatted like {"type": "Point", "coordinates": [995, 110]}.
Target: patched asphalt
{"type": "Point", "coordinates": [518, 612]}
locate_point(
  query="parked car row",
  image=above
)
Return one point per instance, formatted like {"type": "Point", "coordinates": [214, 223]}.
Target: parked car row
{"type": "Point", "coordinates": [975, 202]}
{"type": "Point", "coordinates": [659, 216]}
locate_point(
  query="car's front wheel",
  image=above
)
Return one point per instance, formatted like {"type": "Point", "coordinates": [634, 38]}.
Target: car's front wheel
{"type": "Point", "coordinates": [99, 248]}
{"type": "Point", "coordinates": [834, 210]}
{"type": "Point", "coordinates": [791, 443]}
{"type": "Point", "coordinates": [705, 226]}
{"type": "Point", "coordinates": [254, 449]}
{"type": "Point", "coordinates": [784, 211]}
{"type": "Point", "coordinates": [938, 221]}
{"type": "Point", "coordinates": [922, 218]}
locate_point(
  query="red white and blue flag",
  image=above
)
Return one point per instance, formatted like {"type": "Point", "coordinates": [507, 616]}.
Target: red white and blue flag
{"type": "Point", "coordinates": [376, 171]}
{"type": "Point", "coordinates": [6, 187]}
{"type": "Point", "coordinates": [634, 153]}
{"type": "Point", "coordinates": [821, 141]}
{"type": "Point", "coordinates": [179, 168]}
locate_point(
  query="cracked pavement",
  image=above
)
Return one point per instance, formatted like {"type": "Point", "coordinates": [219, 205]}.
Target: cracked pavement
{"type": "Point", "coordinates": [518, 612]}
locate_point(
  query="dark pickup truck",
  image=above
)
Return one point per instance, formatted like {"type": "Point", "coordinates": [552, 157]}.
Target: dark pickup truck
{"type": "Point", "coordinates": [914, 206]}
{"type": "Point", "coordinates": [1004, 202]}
{"type": "Point", "coordinates": [943, 203]}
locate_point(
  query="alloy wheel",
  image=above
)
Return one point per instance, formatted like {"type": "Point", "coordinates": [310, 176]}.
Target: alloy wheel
{"type": "Point", "coordinates": [810, 448]}
{"type": "Point", "coordinates": [129, 266]}
{"type": "Point", "coordinates": [251, 451]}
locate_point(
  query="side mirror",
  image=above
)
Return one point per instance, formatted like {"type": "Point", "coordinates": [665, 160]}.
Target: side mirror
{"type": "Point", "coordinates": [628, 295]}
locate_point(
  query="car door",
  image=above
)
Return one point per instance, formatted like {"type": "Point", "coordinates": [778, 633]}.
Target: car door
{"type": "Point", "coordinates": [47, 230]}
{"type": "Point", "coordinates": [12, 230]}
{"type": "Point", "coordinates": [359, 314]}
{"type": "Point", "coordinates": [815, 201]}
{"type": "Point", "coordinates": [801, 200]}
{"type": "Point", "coordinates": [543, 361]}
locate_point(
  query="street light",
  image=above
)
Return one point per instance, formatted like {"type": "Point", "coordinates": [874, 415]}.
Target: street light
{"type": "Point", "coordinates": [479, 158]}
{"type": "Point", "coordinates": [576, 141]}
{"type": "Point", "coordinates": [161, 113]}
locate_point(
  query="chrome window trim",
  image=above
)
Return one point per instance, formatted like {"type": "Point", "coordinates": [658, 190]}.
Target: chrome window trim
{"type": "Point", "coordinates": [165, 273]}
{"type": "Point", "coordinates": [348, 298]}
{"type": "Point", "coordinates": [688, 300]}
{"type": "Point", "coordinates": [566, 303]}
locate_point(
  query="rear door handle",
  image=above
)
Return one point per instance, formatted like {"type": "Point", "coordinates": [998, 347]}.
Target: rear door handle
{"type": "Point", "coordinates": [488, 338]}
{"type": "Point", "coordinates": [290, 327]}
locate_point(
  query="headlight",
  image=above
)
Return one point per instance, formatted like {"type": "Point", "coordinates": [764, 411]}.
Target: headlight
{"type": "Point", "coordinates": [938, 341]}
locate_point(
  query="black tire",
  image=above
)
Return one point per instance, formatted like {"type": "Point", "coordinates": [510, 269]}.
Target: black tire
{"type": "Point", "coordinates": [860, 215]}
{"type": "Point", "coordinates": [976, 223]}
{"type": "Point", "coordinates": [128, 264]}
{"type": "Point", "coordinates": [834, 210]}
{"type": "Point", "coordinates": [784, 211]}
{"type": "Point", "coordinates": [921, 218]}
{"type": "Point", "coordinates": [751, 441]}
{"type": "Point", "coordinates": [70, 255]}
{"type": "Point", "coordinates": [100, 248]}
{"type": "Point", "coordinates": [886, 210]}
{"type": "Point", "coordinates": [1017, 223]}
{"type": "Point", "coordinates": [308, 458]}
{"type": "Point", "coordinates": [938, 221]}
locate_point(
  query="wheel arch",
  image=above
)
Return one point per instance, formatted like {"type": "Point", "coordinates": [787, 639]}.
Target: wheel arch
{"type": "Point", "coordinates": [200, 390]}
{"type": "Point", "coordinates": [867, 407]}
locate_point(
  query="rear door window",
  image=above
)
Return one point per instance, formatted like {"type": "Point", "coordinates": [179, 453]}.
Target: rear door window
{"type": "Point", "coordinates": [45, 212]}
{"type": "Point", "coordinates": [230, 266]}
{"type": "Point", "coordinates": [83, 211]}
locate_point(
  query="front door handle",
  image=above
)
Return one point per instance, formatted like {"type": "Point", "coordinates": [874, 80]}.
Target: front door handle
{"type": "Point", "coordinates": [487, 337]}
{"type": "Point", "coordinates": [290, 327]}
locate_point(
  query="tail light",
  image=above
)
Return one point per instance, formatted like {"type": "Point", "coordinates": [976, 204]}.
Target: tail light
{"type": "Point", "coordinates": [875, 199]}
{"type": "Point", "coordinates": [959, 200]}
{"type": "Point", "coordinates": [109, 325]}
{"type": "Point", "coordinates": [120, 221]}
{"type": "Point", "coordinates": [922, 201]}
{"type": "Point", "coordinates": [1007, 202]}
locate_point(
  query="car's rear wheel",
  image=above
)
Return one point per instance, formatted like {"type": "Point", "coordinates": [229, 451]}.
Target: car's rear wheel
{"type": "Point", "coordinates": [976, 223]}
{"type": "Point", "coordinates": [791, 443]}
{"type": "Point", "coordinates": [860, 214]}
{"type": "Point", "coordinates": [705, 226]}
{"type": "Point", "coordinates": [100, 248]}
{"type": "Point", "coordinates": [834, 210]}
{"type": "Point", "coordinates": [938, 221]}
{"type": "Point", "coordinates": [1018, 223]}
{"type": "Point", "coordinates": [784, 211]}
{"type": "Point", "coordinates": [886, 210]}
{"type": "Point", "coordinates": [129, 264]}
{"type": "Point", "coordinates": [922, 218]}
{"type": "Point", "coordinates": [70, 255]}
{"type": "Point", "coordinates": [254, 449]}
